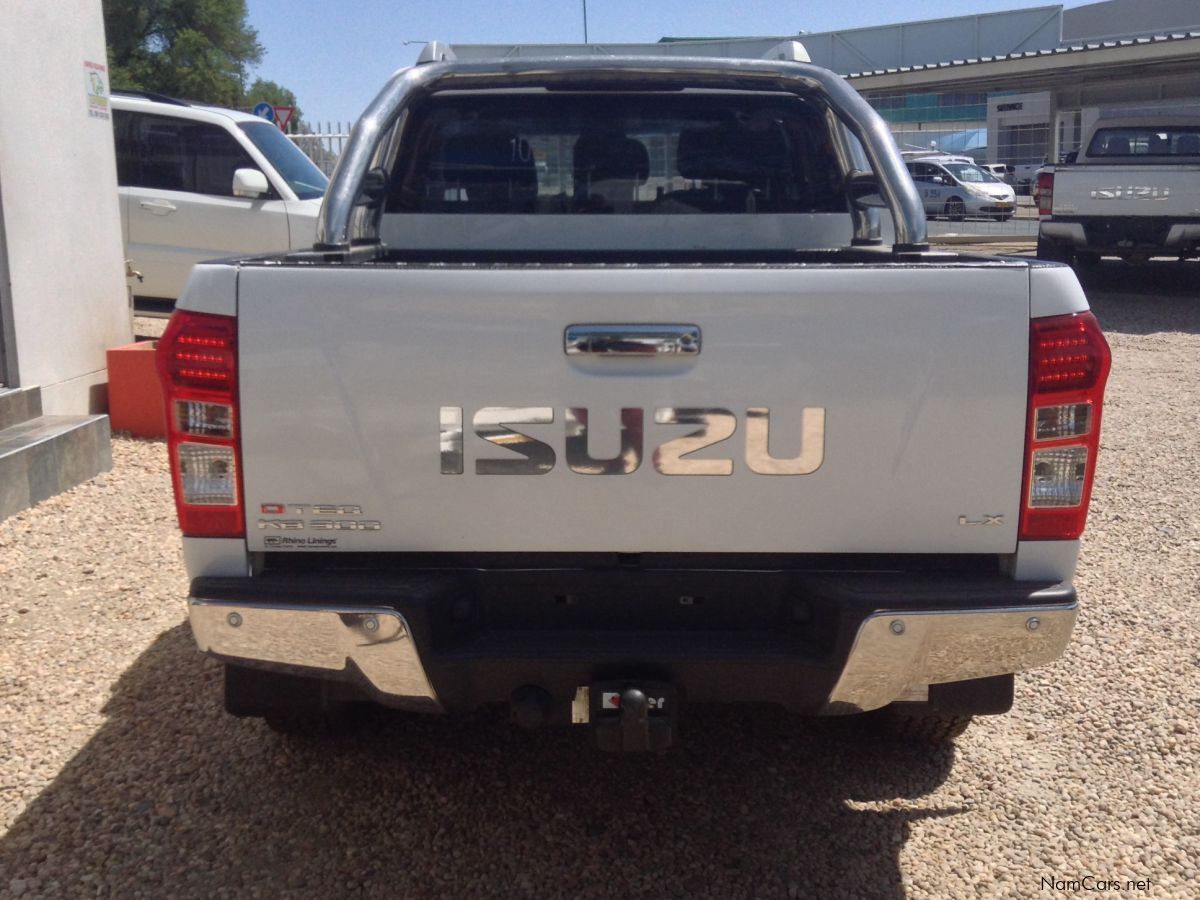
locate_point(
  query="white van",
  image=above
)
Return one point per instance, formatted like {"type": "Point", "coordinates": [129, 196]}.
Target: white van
{"type": "Point", "coordinates": [955, 187]}
{"type": "Point", "coordinates": [199, 183]}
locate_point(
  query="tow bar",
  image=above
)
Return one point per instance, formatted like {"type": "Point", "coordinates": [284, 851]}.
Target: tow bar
{"type": "Point", "coordinates": [632, 718]}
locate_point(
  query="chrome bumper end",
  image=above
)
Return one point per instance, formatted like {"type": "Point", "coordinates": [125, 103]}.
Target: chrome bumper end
{"type": "Point", "coordinates": [376, 641]}
{"type": "Point", "coordinates": [896, 655]}
{"type": "Point", "coordinates": [1183, 235]}
{"type": "Point", "coordinates": [1069, 232]}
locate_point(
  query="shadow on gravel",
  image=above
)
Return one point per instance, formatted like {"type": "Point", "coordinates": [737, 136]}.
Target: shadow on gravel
{"type": "Point", "coordinates": [1161, 295]}
{"type": "Point", "coordinates": [172, 797]}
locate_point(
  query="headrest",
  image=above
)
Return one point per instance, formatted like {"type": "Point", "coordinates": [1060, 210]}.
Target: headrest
{"type": "Point", "coordinates": [601, 157]}
{"type": "Point", "coordinates": [732, 154]}
{"type": "Point", "coordinates": [1117, 146]}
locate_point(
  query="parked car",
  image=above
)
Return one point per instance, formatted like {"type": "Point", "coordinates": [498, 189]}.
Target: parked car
{"type": "Point", "coordinates": [851, 476]}
{"type": "Point", "coordinates": [955, 187]}
{"type": "Point", "coordinates": [1130, 191]}
{"type": "Point", "coordinates": [199, 182]}
{"type": "Point", "coordinates": [1003, 171]}
{"type": "Point", "coordinates": [1025, 176]}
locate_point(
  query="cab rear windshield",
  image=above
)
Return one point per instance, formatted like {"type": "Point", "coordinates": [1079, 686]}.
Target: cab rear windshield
{"type": "Point", "coordinates": [1146, 141]}
{"type": "Point", "coordinates": [568, 154]}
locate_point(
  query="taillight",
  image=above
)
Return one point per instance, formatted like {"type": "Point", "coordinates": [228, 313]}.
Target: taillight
{"type": "Point", "coordinates": [1068, 366]}
{"type": "Point", "coordinates": [197, 365]}
{"type": "Point", "coordinates": [1045, 193]}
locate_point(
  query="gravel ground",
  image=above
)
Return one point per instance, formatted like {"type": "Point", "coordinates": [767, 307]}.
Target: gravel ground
{"type": "Point", "coordinates": [120, 776]}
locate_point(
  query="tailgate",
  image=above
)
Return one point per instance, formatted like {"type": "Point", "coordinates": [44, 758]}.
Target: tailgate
{"type": "Point", "coordinates": [896, 398]}
{"type": "Point", "coordinates": [1098, 190]}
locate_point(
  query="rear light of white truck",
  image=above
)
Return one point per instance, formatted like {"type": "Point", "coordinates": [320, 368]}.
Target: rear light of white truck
{"type": "Point", "coordinates": [1045, 193]}
{"type": "Point", "coordinates": [1069, 361]}
{"type": "Point", "coordinates": [197, 366]}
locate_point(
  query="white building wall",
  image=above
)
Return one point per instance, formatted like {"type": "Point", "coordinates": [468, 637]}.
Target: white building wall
{"type": "Point", "coordinates": [1018, 128]}
{"type": "Point", "coordinates": [58, 197]}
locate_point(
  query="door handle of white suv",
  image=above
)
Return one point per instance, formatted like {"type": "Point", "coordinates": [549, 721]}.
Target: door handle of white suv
{"type": "Point", "coordinates": [158, 207]}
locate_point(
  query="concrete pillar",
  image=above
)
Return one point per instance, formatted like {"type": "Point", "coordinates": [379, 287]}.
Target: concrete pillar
{"type": "Point", "coordinates": [63, 291]}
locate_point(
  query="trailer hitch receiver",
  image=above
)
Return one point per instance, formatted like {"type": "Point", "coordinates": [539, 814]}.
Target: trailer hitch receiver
{"type": "Point", "coordinates": [631, 718]}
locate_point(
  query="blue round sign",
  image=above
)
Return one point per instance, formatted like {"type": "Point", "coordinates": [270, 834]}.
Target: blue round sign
{"type": "Point", "coordinates": [264, 110]}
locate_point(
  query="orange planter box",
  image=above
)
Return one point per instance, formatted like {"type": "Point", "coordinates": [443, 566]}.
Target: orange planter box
{"type": "Point", "coordinates": [135, 399]}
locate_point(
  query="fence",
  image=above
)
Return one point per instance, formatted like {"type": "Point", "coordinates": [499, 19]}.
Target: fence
{"type": "Point", "coordinates": [323, 142]}
{"type": "Point", "coordinates": [998, 128]}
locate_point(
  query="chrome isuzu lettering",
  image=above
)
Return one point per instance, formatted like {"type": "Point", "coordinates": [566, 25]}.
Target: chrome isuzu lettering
{"type": "Point", "coordinates": [624, 463]}
{"type": "Point", "coordinates": [812, 443]}
{"type": "Point", "coordinates": [1133, 192]}
{"type": "Point", "coordinates": [493, 423]}
{"type": "Point", "coordinates": [718, 425]}
{"type": "Point", "coordinates": [452, 440]}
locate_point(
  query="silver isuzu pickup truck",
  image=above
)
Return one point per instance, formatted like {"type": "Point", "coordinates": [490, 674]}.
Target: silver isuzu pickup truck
{"type": "Point", "coordinates": [600, 394]}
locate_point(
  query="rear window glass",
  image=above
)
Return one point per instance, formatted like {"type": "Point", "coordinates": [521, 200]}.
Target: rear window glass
{"type": "Point", "coordinates": [1147, 141]}
{"type": "Point", "coordinates": [547, 153]}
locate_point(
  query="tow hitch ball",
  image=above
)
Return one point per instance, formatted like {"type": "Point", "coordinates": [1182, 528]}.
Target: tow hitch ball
{"type": "Point", "coordinates": [632, 718]}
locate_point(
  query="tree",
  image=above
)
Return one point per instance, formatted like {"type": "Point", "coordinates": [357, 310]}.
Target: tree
{"type": "Point", "coordinates": [197, 49]}
{"type": "Point", "coordinates": [263, 91]}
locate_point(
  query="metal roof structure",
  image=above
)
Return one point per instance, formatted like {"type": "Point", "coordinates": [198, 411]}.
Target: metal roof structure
{"type": "Point", "coordinates": [843, 51]}
{"type": "Point", "coordinates": [1055, 51]}
{"type": "Point", "coordinates": [1117, 19]}
{"type": "Point", "coordinates": [1178, 53]}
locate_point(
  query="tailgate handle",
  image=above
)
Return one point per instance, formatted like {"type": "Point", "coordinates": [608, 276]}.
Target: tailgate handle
{"type": "Point", "coordinates": [632, 340]}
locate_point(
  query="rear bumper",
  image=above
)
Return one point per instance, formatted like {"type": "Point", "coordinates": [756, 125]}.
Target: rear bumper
{"type": "Point", "coordinates": [1123, 233]}
{"type": "Point", "coordinates": [827, 644]}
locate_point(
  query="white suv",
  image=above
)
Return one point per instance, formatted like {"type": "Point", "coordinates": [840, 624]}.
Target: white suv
{"type": "Point", "coordinates": [199, 182]}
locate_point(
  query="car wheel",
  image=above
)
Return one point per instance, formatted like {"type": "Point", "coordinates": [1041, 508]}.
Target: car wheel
{"type": "Point", "coordinates": [290, 704]}
{"type": "Point", "coordinates": [918, 728]}
{"type": "Point", "coordinates": [316, 724]}
{"type": "Point", "coordinates": [956, 209]}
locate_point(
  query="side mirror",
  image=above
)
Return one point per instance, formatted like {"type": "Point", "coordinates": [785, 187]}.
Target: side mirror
{"type": "Point", "coordinates": [864, 190]}
{"type": "Point", "coordinates": [250, 183]}
{"type": "Point", "coordinates": [938, 179]}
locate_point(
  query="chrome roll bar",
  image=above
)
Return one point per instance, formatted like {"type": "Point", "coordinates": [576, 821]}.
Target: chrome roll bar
{"type": "Point", "coordinates": [340, 225]}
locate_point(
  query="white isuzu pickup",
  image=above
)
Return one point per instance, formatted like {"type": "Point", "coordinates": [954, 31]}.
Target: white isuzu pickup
{"type": "Point", "coordinates": [1133, 191]}
{"type": "Point", "coordinates": [600, 394]}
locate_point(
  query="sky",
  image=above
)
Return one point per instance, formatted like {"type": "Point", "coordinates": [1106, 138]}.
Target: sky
{"type": "Point", "coordinates": [336, 55]}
